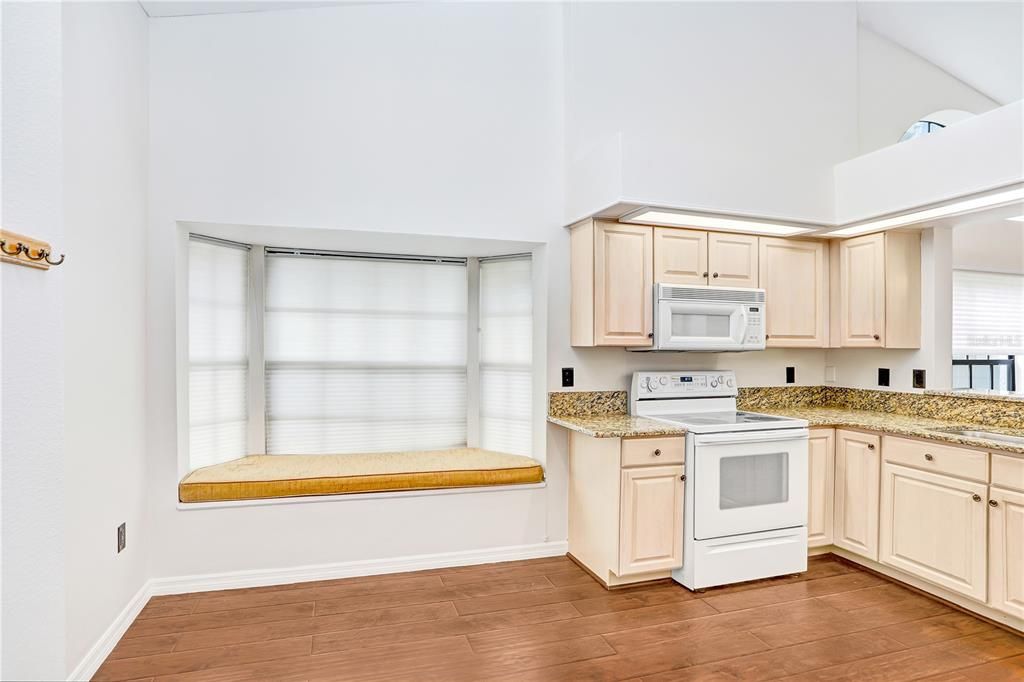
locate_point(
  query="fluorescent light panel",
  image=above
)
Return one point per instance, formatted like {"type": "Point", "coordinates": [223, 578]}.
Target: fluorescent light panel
{"type": "Point", "coordinates": [674, 219]}
{"type": "Point", "coordinates": [933, 213]}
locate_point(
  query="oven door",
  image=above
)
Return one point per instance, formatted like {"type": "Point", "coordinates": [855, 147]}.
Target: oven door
{"type": "Point", "coordinates": [748, 482]}
{"type": "Point", "coordinates": [700, 325]}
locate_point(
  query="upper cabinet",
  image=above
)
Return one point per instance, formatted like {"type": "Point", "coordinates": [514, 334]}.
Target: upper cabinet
{"type": "Point", "coordinates": [680, 256]}
{"type": "Point", "coordinates": [683, 256]}
{"type": "Point", "coordinates": [612, 284]}
{"type": "Point", "coordinates": [879, 292]}
{"type": "Point", "coordinates": [794, 275]}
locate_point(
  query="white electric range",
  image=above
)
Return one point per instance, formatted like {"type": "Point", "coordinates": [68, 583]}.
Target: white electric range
{"type": "Point", "coordinates": [745, 495]}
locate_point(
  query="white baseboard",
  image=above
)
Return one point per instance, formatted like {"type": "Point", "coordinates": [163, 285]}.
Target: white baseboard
{"type": "Point", "coordinates": [106, 643]}
{"type": "Point", "coordinates": [278, 576]}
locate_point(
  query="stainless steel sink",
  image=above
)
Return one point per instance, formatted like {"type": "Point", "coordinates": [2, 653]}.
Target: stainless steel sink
{"type": "Point", "coordinates": [988, 435]}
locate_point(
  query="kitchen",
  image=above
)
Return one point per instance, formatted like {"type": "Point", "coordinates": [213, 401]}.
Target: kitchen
{"type": "Point", "coordinates": [391, 337]}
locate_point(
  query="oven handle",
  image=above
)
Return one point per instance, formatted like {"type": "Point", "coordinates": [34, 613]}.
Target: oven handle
{"type": "Point", "coordinates": [755, 437]}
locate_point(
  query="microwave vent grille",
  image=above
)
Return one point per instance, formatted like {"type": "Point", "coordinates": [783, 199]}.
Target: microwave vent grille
{"type": "Point", "coordinates": [712, 294]}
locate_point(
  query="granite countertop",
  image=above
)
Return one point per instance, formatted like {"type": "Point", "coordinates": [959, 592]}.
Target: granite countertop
{"type": "Point", "coordinates": [980, 394]}
{"type": "Point", "coordinates": [616, 425]}
{"type": "Point", "coordinates": [903, 425]}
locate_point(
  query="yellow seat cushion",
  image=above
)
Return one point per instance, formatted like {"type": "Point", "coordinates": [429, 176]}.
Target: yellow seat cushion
{"type": "Point", "coordinates": [270, 476]}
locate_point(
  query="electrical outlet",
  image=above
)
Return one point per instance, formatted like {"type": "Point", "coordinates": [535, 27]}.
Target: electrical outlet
{"type": "Point", "coordinates": [791, 375]}
{"type": "Point", "coordinates": [567, 377]}
{"type": "Point", "coordinates": [121, 539]}
{"type": "Point", "coordinates": [883, 376]}
{"type": "Point", "coordinates": [830, 374]}
{"type": "Point", "coordinates": [919, 378]}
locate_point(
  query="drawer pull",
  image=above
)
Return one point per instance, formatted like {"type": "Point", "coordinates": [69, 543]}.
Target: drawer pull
{"type": "Point", "coordinates": [993, 503]}
{"type": "Point", "coordinates": [657, 453]}
{"type": "Point", "coordinates": [871, 446]}
{"type": "Point", "coordinates": [976, 497]}
{"type": "Point", "coordinates": [928, 456]}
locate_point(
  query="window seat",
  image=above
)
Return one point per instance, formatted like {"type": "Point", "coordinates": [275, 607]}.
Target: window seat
{"type": "Point", "coordinates": [271, 476]}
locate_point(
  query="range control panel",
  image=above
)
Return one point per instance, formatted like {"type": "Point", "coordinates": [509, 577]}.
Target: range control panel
{"type": "Point", "coordinates": [684, 384]}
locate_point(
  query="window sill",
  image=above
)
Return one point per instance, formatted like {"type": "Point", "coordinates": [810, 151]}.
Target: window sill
{"type": "Point", "coordinates": [355, 497]}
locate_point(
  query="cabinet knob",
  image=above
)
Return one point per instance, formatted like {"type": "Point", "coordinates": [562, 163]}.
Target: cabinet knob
{"type": "Point", "coordinates": [928, 456]}
{"type": "Point", "coordinates": [715, 275]}
{"type": "Point", "coordinates": [976, 497]}
{"type": "Point", "coordinates": [683, 478]}
{"type": "Point", "coordinates": [650, 335]}
{"type": "Point", "coordinates": [877, 337]}
{"type": "Point", "coordinates": [705, 275]}
{"type": "Point", "coordinates": [657, 453]}
{"type": "Point", "coordinates": [871, 446]}
{"type": "Point", "coordinates": [993, 503]}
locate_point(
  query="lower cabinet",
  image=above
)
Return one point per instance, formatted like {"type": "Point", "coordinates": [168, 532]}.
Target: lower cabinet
{"type": "Point", "coordinates": [1006, 551]}
{"type": "Point", "coordinates": [858, 466]}
{"type": "Point", "coordinates": [650, 517]}
{"type": "Point", "coordinates": [626, 506]}
{"type": "Point", "coordinates": [821, 466]}
{"type": "Point", "coordinates": [934, 526]}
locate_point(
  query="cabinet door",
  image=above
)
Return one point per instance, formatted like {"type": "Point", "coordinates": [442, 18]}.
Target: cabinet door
{"type": "Point", "coordinates": [855, 525]}
{"type": "Point", "coordinates": [651, 519]}
{"type": "Point", "coordinates": [732, 260]}
{"type": "Point", "coordinates": [1006, 551]}
{"type": "Point", "coordinates": [623, 288]}
{"type": "Point", "coordinates": [862, 291]}
{"type": "Point", "coordinates": [933, 526]}
{"type": "Point", "coordinates": [680, 256]}
{"type": "Point", "coordinates": [794, 276]}
{"type": "Point", "coordinates": [821, 461]}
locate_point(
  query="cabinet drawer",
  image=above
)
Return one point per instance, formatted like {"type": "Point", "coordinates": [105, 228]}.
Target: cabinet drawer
{"type": "Point", "coordinates": [943, 459]}
{"type": "Point", "coordinates": [646, 451]}
{"type": "Point", "coordinates": [1008, 472]}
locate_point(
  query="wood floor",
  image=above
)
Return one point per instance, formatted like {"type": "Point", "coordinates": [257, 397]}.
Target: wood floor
{"type": "Point", "coordinates": [546, 619]}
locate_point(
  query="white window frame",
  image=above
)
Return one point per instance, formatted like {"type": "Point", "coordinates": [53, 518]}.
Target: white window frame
{"type": "Point", "coordinates": [257, 388]}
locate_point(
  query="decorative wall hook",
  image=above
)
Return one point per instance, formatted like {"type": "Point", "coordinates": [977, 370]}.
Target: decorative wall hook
{"type": "Point", "coordinates": [27, 251]}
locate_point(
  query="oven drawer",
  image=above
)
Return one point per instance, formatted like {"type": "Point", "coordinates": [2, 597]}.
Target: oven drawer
{"type": "Point", "coordinates": [650, 451]}
{"type": "Point", "coordinates": [941, 459]}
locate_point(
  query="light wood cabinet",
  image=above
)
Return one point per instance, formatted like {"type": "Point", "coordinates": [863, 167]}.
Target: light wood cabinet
{"type": "Point", "coordinates": [794, 275]}
{"type": "Point", "coordinates": [858, 468]}
{"type": "Point", "coordinates": [612, 284]}
{"type": "Point", "coordinates": [724, 259]}
{"type": "Point", "coordinates": [1006, 551]}
{"type": "Point", "coordinates": [821, 458]}
{"type": "Point", "coordinates": [626, 506]}
{"type": "Point", "coordinates": [879, 290]}
{"type": "Point", "coordinates": [733, 260]}
{"type": "Point", "coordinates": [934, 526]}
{"type": "Point", "coordinates": [650, 518]}
{"type": "Point", "coordinates": [680, 256]}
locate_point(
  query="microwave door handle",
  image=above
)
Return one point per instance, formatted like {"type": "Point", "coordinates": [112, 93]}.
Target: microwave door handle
{"type": "Point", "coordinates": [753, 437]}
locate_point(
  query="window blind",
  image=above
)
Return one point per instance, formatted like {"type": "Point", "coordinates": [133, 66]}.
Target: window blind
{"type": "Point", "coordinates": [364, 355]}
{"type": "Point", "coordinates": [506, 355]}
{"type": "Point", "coordinates": [218, 282]}
{"type": "Point", "coordinates": [987, 313]}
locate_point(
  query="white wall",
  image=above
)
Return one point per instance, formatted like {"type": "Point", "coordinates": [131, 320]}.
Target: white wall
{"type": "Point", "coordinates": [105, 121]}
{"type": "Point", "coordinates": [996, 247]}
{"type": "Point", "coordinates": [429, 119]}
{"type": "Point", "coordinates": [719, 105]}
{"type": "Point", "coordinates": [896, 88]}
{"type": "Point", "coordinates": [858, 367]}
{"type": "Point", "coordinates": [32, 438]}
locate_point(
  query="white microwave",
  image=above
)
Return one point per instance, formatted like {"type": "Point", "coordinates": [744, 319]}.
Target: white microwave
{"type": "Point", "coordinates": [713, 319]}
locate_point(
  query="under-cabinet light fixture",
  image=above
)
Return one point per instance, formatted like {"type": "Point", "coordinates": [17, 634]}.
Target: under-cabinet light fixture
{"type": "Point", "coordinates": [649, 216]}
{"type": "Point", "coordinates": [946, 211]}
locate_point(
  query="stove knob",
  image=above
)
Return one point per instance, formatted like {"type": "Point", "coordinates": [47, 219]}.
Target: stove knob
{"type": "Point", "coordinates": [714, 383]}
{"type": "Point", "coordinates": [663, 381]}
{"type": "Point", "coordinates": [653, 386]}
{"type": "Point", "coordinates": [729, 383]}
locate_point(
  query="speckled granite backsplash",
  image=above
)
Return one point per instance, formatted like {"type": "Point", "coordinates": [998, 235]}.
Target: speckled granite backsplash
{"type": "Point", "coordinates": [1004, 413]}
{"type": "Point", "coordinates": [586, 403]}
{"type": "Point", "coordinates": [1009, 413]}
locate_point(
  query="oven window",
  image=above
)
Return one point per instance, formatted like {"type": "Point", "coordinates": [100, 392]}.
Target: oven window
{"type": "Point", "coordinates": [689, 324]}
{"type": "Point", "coordinates": [753, 480]}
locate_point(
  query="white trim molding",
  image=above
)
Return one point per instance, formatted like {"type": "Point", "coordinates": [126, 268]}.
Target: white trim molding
{"type": "Point", "coordinates": [282, 576]}
{"type": "Point", "coordinates": [92, 661]}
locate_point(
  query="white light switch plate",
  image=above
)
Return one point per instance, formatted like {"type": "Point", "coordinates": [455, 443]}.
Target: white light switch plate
{"type": "Point", "coordinates": [830, 375]}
